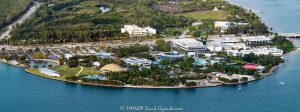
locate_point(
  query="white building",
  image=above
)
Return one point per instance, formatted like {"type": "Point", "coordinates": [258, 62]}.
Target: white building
{"type": "Point", "coordinates": [215, 9]}
{"type": "Point", "coordinates": [214, 46]}
{"type": "Point", "coordinates": [96, 64]}
{"type": "Point", "coordinates": [134, 30]}
{"type": "Point", "coordinates": [103, 54]}
{"type": "Point", "coordinates": [224, 25]}
{"type": "Point", "coordinates": [13, 62]}
{"type": "Point", "coordinates": [256, 40]}
{"type": "Point", "coordinates": [225, 40]}
{"type": "Point", "coordinates": [196, 23]}
{"type": "Point", "coordinates": [91, 51]}
{"type": "Point", "coordinates": [138, 61]}
{"type": "Point", "coordinates": [256, 51]}
{"type": "Point", "coordinates": [68, 56]}
{"type": "Point", "coordinates": [188, 45]}
{"type": "Point", "coordinates": [234, 46]}
{"type": "Point", "coordinates": [171, 56]}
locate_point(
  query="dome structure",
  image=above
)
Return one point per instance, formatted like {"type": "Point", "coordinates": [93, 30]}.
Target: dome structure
{"type": "Point", "coordinates": [111, 68]}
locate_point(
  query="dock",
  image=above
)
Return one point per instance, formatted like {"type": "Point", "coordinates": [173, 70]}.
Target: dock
{"type": "Point", "coordinates": [291, 35]}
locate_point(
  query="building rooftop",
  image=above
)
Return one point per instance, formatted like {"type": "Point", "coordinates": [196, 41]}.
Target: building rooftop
{"type": "Point", "coordinates": [171, 54]}
{"type": "Point", "coordinates": [226, 39]}
{"type": "Point", "coordinates": [188, 42]}
{"type": "Point", "coordinates": [250, 66]}
{"type": "Point", "coordinates": [111, 68]}
{"type": "Point", "coordinates": [256, 38]}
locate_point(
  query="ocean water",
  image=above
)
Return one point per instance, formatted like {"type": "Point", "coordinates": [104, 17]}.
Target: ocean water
{"type": "Point", "coordinates": [280, 92]}
{"type": "Point", "coordinates": [281, 15]}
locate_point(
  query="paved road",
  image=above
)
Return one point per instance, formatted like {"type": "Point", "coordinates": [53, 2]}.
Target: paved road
{"type": "Point", "coordinates": [6, 33]}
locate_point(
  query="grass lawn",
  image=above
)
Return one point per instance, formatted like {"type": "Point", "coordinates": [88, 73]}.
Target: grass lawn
{"type": "Point", "coordinates": [217, 15]}
{"type": "Point", "coordinates": [66, 71]}
{"type": "Point", "coordinates": [89, 71]}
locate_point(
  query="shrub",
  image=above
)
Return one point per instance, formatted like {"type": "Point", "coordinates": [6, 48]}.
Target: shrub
{"type": "Point", "coordinates": [244, 79]}
{"type": "Point", "coordinates": [190, 84]}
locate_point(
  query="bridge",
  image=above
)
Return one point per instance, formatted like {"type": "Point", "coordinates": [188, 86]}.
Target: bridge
{"type": "Point", "coordinates": [291, 35]}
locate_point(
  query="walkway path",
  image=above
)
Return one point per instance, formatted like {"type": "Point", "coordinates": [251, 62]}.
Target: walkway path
{"type": "Point", "coordinates": [81, 68]}
{"type": "Point", "coordinates": [184, 34]}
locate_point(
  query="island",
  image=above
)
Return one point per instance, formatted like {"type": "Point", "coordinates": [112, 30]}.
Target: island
{"type": "Point", "coordinates": [145, 44]}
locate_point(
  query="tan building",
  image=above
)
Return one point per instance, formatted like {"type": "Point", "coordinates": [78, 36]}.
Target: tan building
{"type": "Point", "coordinates": [111, 68]}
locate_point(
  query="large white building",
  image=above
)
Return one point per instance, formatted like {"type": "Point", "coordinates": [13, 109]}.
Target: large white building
{"type": "Point", "coordinates": [134, 30]}
{"type": "Point", "coordinates": [256, 51]}
{"type": "Point", "coordinates": [225, 40]}
{"type": "Point", "coordinates": [188, 45]}
{"type": "Point", "coordinates": [257, 40]}
{"type": "Point", "coordinates": [138, 62]}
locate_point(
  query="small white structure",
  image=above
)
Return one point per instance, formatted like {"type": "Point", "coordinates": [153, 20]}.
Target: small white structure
{"type": "Point", "coordinates": [96, 63]}
{"type": "Point", "coordinates": [215, 9]}
{"type": "Point", "coordinates": [49, 72]}
{"type": "Point", "coordinates": [138, 61]}
{"type": "Point", "coordinates": [91, 51]}
{"type": "Point", "coordinates": [134, 30]}
{"type": "Point", "coordinates": [13, 62]}
{"type": "Point", "coordinates": [103, 54]}
{"type": "Point", "coordinates": [191, 54]}
{"type": "Point", "coordinates": [224, 25]}
{"type": "Point", "coordinates": [188, 45]}
{"type": "Point", "coordinates": [196, 23]}
{"type": "Point", "coordinates": [240, 24]}
{"type": "Point", "coordinates": [68, 56]}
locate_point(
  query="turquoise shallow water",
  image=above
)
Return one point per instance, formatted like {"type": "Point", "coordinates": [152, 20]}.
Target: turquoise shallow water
{"type": "Point", "coordinates": [22, 92]}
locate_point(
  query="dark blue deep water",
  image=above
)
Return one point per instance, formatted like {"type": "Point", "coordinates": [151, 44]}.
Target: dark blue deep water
{"type": "Point", "coordinates": [23, 92]}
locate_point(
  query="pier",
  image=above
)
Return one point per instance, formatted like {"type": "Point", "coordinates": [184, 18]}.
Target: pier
{"type": "Point", "coordinates": [291, 35]}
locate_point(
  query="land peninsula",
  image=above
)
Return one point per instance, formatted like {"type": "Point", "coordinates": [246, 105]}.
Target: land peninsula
{"type": "Point", "coordinates": [145, 43]}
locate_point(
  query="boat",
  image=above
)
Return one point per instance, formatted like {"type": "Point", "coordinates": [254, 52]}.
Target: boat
{"type": "Point", "coordinates": [282, 83]}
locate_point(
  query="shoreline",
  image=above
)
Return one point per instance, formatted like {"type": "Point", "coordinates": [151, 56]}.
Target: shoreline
{"type": "Point", "coordinates": [122, 86]}
{"type": "Point", "coordinates": [160, 87]}
{"type": "Point", "coordinates": [271, 72]}
{"type": "Point", "coordinates": [155, 87]}
{"type": "Point", "coordinates": [149, 86]}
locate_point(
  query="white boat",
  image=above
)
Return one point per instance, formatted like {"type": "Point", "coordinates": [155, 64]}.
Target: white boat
{"type": "Point", "coordinates": [282, 83]}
